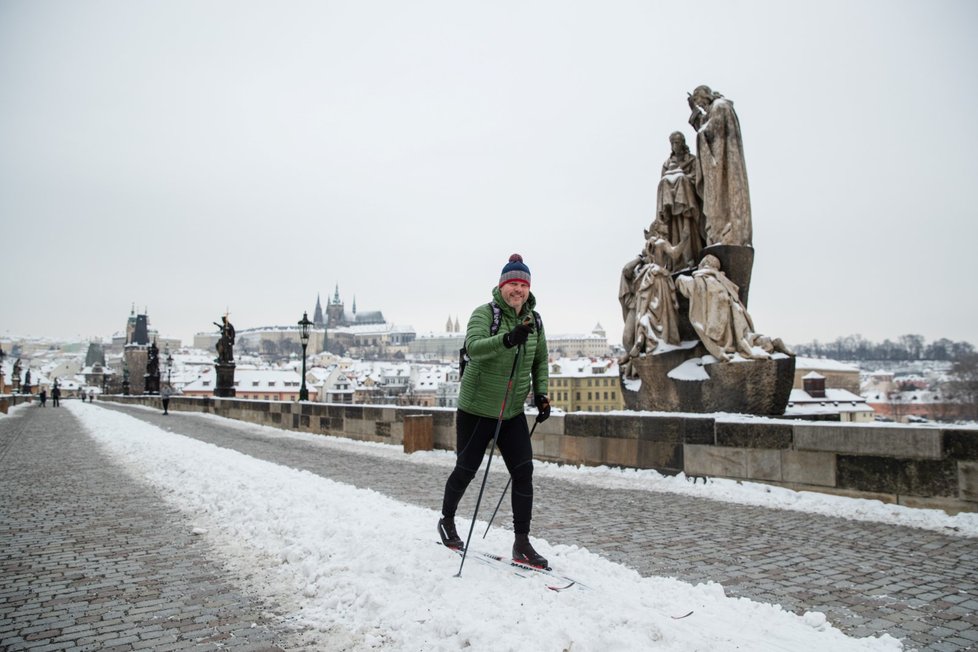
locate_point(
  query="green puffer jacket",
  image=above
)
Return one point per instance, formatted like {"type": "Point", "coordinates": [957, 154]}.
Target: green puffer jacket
{"type": "Point", "coordinates": [490, 362]}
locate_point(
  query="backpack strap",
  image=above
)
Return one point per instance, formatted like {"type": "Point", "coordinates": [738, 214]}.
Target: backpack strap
{"type": "Point", "coordinates": [497, 315]}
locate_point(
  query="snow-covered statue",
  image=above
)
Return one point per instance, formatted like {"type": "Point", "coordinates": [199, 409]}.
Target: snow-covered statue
{"type": "Point", "coordinates": [225, 345]}
{"type": "Point", "coordinates": [722, 182]}
{"type": "Point", "coordinates": [684, 298]}
{"type": "Point", "coordinates": [627, 289]}
{"type": "Point", "coordinates": [657, 311]}
{"type": "Point", "coordinates": [720, 319]}
{"type": "Point", "coordinates": [656, 315]}
{"type": "Point", "coordinates": [677, 203]}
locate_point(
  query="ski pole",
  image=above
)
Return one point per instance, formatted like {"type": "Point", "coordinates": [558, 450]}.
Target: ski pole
{"type": "Point", "coordinates": [492, 449]}
{"type": "Point", "coordinates": [508, 480]}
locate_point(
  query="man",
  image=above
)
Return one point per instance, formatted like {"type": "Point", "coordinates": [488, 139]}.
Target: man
{"type": "Point", "coordinates": [500, 335]}
{"type": "Point", "coordinates": [165, 397]}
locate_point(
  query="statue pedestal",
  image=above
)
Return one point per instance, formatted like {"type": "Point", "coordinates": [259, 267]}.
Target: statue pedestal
{"type": "Point", "coordinates": [225, 379]}
{"type": "Point", "coordinates": [678, 381]}
{"type": "Point", "coordinates": [151, 384]}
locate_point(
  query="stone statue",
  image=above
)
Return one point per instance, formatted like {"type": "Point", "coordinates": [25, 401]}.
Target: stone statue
{"type": "Point", "coordinates": [677, 203]}
{"type": "Point", "coordinates": [225, 345]}
{"type": "Point", "coordinates": [656, 307]}
{"type": "Point", "coordinates": [627, 289]}
{"type": "Point", "coordinates": [27, 382]}
{"type": "Point", "coordinates": [153, 360]}
{"type": "Point", "coordinates": [720, 319]}
{"type": "Point", "coordinates": [16, 372]}
{"type": "Point", "coordinates": [722, 183]}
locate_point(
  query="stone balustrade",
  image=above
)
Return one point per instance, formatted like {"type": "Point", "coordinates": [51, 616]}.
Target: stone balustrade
{"type": "Point", "coordinates": [919, 466]}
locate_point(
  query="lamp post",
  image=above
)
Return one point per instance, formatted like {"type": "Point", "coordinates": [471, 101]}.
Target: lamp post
{"type": "Point", "coordinates": [3, 355]}
{"type": "Point", "coordinates": [169, 364]}
{"type": "Point", "coordinates": [304, 338]}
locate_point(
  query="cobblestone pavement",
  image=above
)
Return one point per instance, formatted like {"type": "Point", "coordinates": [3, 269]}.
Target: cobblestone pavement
{"type": "Point", "coordinates": [916, 585]}
{"type": "Point", "coordinates": [92, 560]}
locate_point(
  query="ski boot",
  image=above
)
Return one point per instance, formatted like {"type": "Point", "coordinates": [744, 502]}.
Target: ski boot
{"type": "Point", "coordinates": [449, 537]}
{"type": "Point", "coordinates": [524, 553]}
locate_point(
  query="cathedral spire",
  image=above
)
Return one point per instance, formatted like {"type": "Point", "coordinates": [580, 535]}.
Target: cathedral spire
{"type": "Point", "coordinates": [317, 316]}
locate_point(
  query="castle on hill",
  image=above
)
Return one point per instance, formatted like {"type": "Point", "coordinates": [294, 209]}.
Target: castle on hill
{"type": "Point", "coordinates": [336, 315]}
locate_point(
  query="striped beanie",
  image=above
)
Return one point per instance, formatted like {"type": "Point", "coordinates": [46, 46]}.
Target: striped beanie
{"type": "Point", "coordinates": [515, 271]}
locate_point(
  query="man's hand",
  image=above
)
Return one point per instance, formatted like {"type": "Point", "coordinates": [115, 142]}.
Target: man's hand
{"type": "Point", "coordinates": [518, 335]}
{"type": "Point", "coordinates": [543, 405]}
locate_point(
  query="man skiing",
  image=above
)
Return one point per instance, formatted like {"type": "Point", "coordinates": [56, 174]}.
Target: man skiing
{"type": "Point", "coordinates": [507, 356]}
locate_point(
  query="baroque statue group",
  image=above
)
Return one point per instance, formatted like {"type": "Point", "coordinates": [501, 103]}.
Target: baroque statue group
{"type": "Point", "coordinates": [690, 281]}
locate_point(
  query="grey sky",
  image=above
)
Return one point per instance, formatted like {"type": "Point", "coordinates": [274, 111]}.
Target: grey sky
{"type": "Point", "coordinates": [192, 156]}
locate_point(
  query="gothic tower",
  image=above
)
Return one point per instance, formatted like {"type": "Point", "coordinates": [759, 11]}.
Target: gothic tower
{"type": "Point", "coordinates": [334, 310]}
{"type": "Point", "coordinates": [317, 316]}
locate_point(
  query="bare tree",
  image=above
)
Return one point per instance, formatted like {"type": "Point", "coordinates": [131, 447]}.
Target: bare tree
{"type": "Point", "coordinates": [964, 374]}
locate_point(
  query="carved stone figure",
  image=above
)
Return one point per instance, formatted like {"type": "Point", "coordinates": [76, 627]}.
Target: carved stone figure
{"type": "Point", "coordinates": [153, 360]}
{"type": "Point", "coordinates": [656, 308]}
{"type": "Point", "coordinates": [627, 288]}
{"type": "Point", "coordinates": [719, 318]}
{"type": "Point", "coordinates": [677, 203]}
{"type": "Point", "coordinates": [225, 345]}
{"type": "Point", "coordinates": [722, 184]}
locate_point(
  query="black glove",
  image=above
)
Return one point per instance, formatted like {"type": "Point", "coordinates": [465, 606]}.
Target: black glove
{"type": "Point", "coordinates": [543, 405]}
{"type": "Point", "coordinates": [518, 335]}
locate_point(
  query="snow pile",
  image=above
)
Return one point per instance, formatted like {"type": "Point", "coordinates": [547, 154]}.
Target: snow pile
{"type": "Point", "coordinates": [730, 491]}
{"type": "Point", "coordinates": [363, 569]}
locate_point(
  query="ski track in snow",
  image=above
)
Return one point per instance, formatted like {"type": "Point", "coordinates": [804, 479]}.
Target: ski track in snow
{"type": "Point", "coordinates": [350, 564]}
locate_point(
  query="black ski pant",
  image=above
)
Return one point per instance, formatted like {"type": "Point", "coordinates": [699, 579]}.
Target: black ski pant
{"type": "Point", "coordinates": [472, 437]}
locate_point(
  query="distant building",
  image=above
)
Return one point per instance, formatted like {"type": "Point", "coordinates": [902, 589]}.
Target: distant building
{"type": "Point", "coordinates": [594, 345]}
{"type": "Point", "coordinates": [337, 316]}
{"type": "Point", "coordinates": [437, 346]}
{"type": "Point", "coordinates": [916, 405]}
{"type": "Point", "coordinates": [263, 384]}
{"type": "Point", "coordinates": [816, 401]}
{"type": "Point", "coordinates": [837, 375]}
{"type": "Point", "coordinates": [585, 385]}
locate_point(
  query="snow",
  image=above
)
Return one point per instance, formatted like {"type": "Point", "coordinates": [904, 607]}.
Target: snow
{"type": "Point", "coordinates": [354, 567]}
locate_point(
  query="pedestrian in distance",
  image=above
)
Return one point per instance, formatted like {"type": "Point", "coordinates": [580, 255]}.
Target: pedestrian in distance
{"type": "Point", "coordinates": [506, 352]}
{"type": "Point", "coordinates": [56, 396]}
{"type": "Point", "coordinates": [44, 398]}
{"type": "Point", "coordinates": [165, 397]}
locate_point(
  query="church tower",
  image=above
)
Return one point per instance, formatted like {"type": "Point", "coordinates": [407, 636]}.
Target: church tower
{"type": "Point", "coordinates": [334, 311]}
{"type": "Point", "coordinates": [317, 317]}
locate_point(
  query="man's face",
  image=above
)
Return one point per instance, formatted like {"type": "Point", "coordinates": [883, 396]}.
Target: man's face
{"type": "Point", "coordinates": [701, 99]}
{"type": "Point", "coordinates": [677, 144]}
{"type": "Point", "coordinates": [515, 294]}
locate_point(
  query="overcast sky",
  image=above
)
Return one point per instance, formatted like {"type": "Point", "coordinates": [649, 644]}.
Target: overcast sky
{"type": "Point", "coordinates": [192, 157]}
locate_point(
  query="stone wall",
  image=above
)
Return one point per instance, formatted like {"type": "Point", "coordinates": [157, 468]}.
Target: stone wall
{"type": "Point", "coordinates": [914, 466]}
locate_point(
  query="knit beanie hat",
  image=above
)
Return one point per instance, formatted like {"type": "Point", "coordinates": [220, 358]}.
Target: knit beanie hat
{"type": "Point", "coordinates": [515, 271]}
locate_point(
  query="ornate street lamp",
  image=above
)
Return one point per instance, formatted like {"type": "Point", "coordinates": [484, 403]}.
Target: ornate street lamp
{"type": "Point", "coordinates": [169, 364]}
{"type": "Point", "coordinates": [304, 338]}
